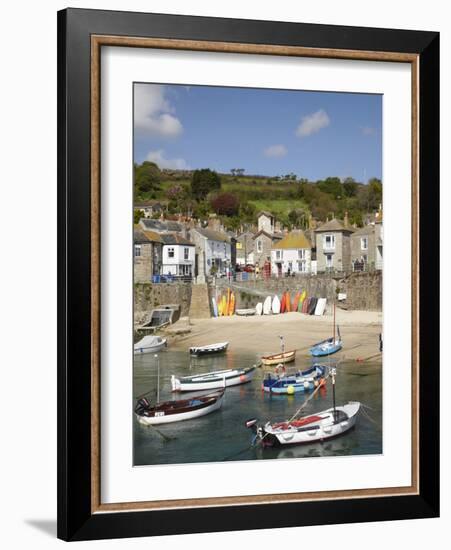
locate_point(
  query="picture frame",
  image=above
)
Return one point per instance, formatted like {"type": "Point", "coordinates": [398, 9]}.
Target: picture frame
{"type": "Point", "coordinates": [81, 35]}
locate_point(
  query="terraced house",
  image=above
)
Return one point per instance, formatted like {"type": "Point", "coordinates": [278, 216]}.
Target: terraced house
{"type": "Point", "coordinates": [291, 255]}
{"type": "Point", "coordinates": [333, 246]}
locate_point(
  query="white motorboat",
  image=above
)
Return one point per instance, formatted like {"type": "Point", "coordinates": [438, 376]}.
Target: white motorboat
{"type": "Point", "coordinates": [149, 344]}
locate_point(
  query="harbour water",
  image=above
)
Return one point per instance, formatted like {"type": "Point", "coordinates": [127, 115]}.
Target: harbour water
{"type": "Point", "coordinates": [222, 435]}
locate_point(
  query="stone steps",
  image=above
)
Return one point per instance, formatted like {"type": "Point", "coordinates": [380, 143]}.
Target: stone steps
{"type": "Point", "coordinates": [200, 302]}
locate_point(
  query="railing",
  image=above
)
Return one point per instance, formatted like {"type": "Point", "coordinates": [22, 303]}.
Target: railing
{"type": "Point", "coordinates": [172, 279]}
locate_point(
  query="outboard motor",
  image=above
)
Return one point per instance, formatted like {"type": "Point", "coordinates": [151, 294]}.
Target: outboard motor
{"type": "Point", "coordinates": [142, 405]}
{"type": "Point", "coordinates": [256, 430]}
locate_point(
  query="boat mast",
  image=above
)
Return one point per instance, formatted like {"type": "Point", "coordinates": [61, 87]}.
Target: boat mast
{"type": "Point", "coordinates": [334, 321]}
{"type": "Point", "coordinates": [333, 372]}
{"type": "Point", "coordinates": [158, 378]}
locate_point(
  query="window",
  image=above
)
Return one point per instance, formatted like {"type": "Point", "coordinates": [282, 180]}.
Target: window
{"type": "Point", "coordinates": [301, 253]}
{"type": "Point", "coordinates": [290, 266]}
{"type": "Point", "coordinates": [170, 252]}
{"type": "Point", "coordinates": [137, 250]}
{"type": "Point", "coordinates": [364, 243]}
{"type": "Point", "coordinates": [329, 260]}
{"type": "Point", "coordinates": [259, 246]}
{"type": "Point", "coordinates": [302, 266]}
{"type": "Point", "coordinates": [278, 254]}
{"type": "Point", "coordinates": [186, 253]}
{"type": "Point", "coordinates": [329, 242]}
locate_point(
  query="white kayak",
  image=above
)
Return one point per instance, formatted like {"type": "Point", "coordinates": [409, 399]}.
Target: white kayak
{"type": "Point", "coordinates": [320, 306]}
{"type": "Point", "coordinates": [267, 306]}
{"type": "Point", "coordinates": [149, 344]}
{"type": "Point", "coordinates": [259, 308]}
{"type": "Point", "coordinates": [275, 305]}
{"type": "Point", "coordinates": [245, 312]}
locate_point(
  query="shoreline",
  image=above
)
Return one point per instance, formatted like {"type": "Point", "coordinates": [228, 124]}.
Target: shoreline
{"type": "Point", "coordinates": [260, 334]}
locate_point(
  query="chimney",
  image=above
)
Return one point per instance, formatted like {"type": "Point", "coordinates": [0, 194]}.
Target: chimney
{"type": "Point", "coordinates": [346, 220]}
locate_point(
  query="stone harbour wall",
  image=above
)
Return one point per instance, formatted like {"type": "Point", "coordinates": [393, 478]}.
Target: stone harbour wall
{"type": "Point", "coordinates": [147, 296]}
{"type": "Point", "coordinates": [363, 290]}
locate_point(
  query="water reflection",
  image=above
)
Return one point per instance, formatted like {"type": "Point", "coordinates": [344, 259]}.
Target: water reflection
{"type": "Point", "coordinates": [222, 435]}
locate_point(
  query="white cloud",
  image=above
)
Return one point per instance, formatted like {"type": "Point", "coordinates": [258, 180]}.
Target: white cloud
{"type": "Point", "coordinates": [368, 131]}
{"type": "Point", "coordinates": [153, 113]}
{"type": "Point", "coordinates": [162, 162]}
{"type": "Point", "coordinates": [313, 123]}
{"type": "Point", "coordinates": [276, 151]}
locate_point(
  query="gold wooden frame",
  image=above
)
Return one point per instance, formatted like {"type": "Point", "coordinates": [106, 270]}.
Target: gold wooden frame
{"type": "Point", "coordinates": [97, 41]}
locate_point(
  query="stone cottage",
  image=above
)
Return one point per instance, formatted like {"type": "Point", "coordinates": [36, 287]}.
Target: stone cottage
{"type": "Point", "coordinates": [263, 243]}
{"type": "Point", "coordinates": [147, 254]}
{"type": "Point", "coordinates": [333, 246]}
{"type": "Point", "coordinates": [363, 248]}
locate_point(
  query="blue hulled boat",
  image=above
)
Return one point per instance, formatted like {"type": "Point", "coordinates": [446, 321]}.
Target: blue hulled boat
{"type": "Point", "coordinates": [303, 381]}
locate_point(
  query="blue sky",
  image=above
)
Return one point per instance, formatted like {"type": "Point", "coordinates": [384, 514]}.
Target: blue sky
{"type": "Point", "coordinates": [267, 132]}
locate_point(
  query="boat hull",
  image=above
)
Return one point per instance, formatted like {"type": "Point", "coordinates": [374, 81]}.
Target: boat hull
{"type": "Point", "coordinates": [209, 350]}
{"type": "Point", "coordinates": [225, 379]}
{"type": "Point", "coordinates": [150, 349]}
{"type": "Point", "coordinates": [279, 358]}
{"type": "Point", "coordinates": [164, 418]}
{"type": "Point", "coordinates": [318, 431]}
{"type": "Point", "coordinates": [323, 351]}
{"type": "Point", "coordinates": [302, 382]}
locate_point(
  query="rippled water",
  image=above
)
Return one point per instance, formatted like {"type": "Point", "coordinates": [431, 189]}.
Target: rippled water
{"type": "Point", "coordinates": [222, 436]}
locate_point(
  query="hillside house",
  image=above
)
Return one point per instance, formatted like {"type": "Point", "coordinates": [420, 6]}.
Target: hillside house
{"type": "Point", "coordinates": [291, 255]}
{"type": "Point", "coordinates": [214, 248]}
{"type": "Point", "coordinates": [178, 257]}
{"type": "Point", "coordinates": [333, 246]}
{"type": "Point", "coordinates": [263, 243]}
{"type": "Point", "coordinates": [363, 248]}
{"type": "Point", "coordinates": [150, 208]}
{"type": "Point", "coordinates": [147, 255]}
{"type": "Point", "coordinates": [245, 248]}
{"type": "Point", "coordinates": [266, 222]}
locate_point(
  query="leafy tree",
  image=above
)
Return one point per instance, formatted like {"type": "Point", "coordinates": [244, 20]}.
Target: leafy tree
{"type": "Point", "coordinates": [203, 182]}
{"type": "Point", "coordinates": [297, 217]}
{"type": "Point", "coordinates": [147, 177]}
{"type": "Point", "coordinates": [350, 187]}
{"type": "Point", "coordinates": [137, 215]}
{"type": "Point", "coordinates": [370, 195]}
{"type": "Point", "coordinates": [247, 212]}
{"type": "Point", "coordinates": [331, 186]}
{"type": "Point", "coordinates": [226, 204]}
{"type": "Point", "coordinates": [201, 210]}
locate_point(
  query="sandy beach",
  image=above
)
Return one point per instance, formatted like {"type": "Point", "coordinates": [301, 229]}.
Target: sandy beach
{"type": "Point", "coordinates": [260, 334]}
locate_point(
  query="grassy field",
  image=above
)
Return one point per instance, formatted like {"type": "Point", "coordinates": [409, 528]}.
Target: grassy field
{"type": "Point", "coordinates": [278, 207]}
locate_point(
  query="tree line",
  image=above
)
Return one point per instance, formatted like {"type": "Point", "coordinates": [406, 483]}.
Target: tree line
{"type": "Point", "coordinates": [206, 191]}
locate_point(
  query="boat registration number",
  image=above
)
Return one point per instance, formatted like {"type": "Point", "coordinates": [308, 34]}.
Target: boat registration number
{"type": "Point", "coordinates": [159, 413]}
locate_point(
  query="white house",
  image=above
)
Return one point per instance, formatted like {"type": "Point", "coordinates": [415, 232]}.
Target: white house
{"type": "Point", "coordinates": [266, 222]}
{"type": "Point", "coordinates": [216, 250]}
{"type": "Point", "coordinates": [178, 256]}
{"type": "Point", "coordinates": [292, 254]}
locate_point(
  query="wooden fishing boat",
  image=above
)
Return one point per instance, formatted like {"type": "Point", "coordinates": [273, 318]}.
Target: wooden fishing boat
{"type": "Point", "coordinates": [149, 344]}
{"type": "Point", "coordinates": [310, 429]}
{"type": "Point", "coordinates": [245, 312]}
{"type": "Point", "coordinates": [282, 357]}
{"type": "Point", "coordinates": [210, 349]}
{"type": "Point", "coordinates": [299, 382]}
{"type": "Point", "coordinates": [176, 411]}
{"type": "Point", "coordinates": [213, 380]}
